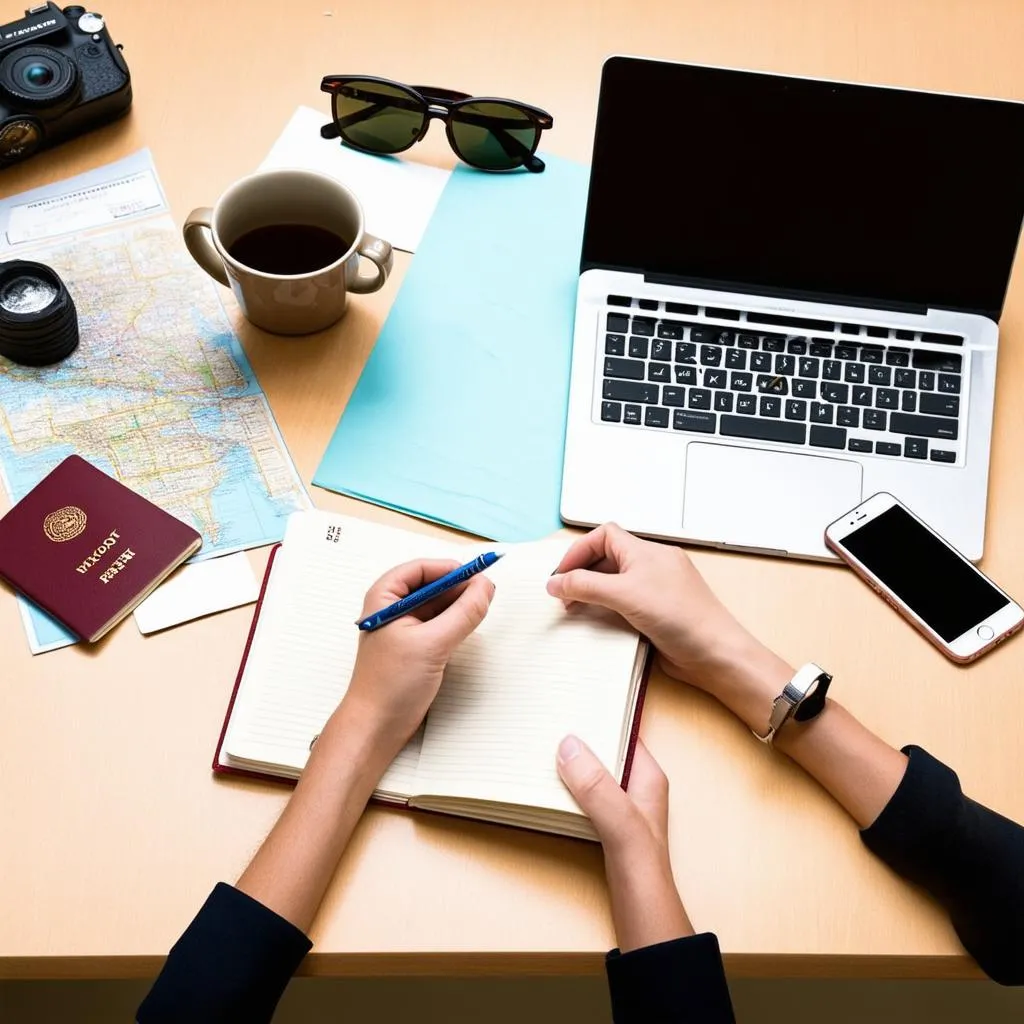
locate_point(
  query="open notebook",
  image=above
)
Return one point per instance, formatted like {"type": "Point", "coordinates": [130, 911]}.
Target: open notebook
{"type": "Point", "coordinates": [529, 675]}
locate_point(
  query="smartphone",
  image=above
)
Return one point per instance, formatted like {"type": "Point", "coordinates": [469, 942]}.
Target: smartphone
{"type": "Point", "coordinates": [957, 607]}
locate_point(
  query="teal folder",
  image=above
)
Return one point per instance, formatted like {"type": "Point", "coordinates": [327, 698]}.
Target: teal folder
{"type": "Point", "coordinates": [459, 415]}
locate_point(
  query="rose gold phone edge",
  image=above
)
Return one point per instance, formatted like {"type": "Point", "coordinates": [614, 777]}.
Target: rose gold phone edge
{"type": "Point", "coordinates": [904, 610]}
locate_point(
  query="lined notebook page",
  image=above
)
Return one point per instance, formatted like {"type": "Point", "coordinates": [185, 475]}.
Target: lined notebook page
{"type": "Point", "coordinates": [305, 644]}
{"type": "Point", "coordinates": [532, 673]}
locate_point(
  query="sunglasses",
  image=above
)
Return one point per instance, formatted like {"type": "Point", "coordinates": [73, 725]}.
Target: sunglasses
{"type": "Point", "coordinates": [380, 116]}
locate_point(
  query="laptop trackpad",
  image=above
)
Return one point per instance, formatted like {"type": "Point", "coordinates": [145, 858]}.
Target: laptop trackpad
{"type": "Point", "coordinates": [770, 500]}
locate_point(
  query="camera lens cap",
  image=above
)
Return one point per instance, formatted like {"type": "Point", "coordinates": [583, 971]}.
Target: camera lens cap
{"type": "Point", "coordinates": [38, 320]}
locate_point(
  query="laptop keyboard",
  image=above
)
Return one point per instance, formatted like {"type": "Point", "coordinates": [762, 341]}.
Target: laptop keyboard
{"type": "Point", "coordinates": [857, 389]}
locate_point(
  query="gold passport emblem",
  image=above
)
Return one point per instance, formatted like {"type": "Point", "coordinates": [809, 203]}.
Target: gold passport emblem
{"type": "Point", "coordinates": [64, 524]}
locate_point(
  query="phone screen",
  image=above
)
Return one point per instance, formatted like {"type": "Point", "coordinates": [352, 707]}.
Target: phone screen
{"type": "Point", "coordinates": [936, 583]}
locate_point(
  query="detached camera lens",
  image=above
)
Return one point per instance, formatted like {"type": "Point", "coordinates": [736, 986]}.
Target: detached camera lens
{"type": "Point", "coordinates": [39, 76]}
{"type": "Point", "coordinates": [38, 320]}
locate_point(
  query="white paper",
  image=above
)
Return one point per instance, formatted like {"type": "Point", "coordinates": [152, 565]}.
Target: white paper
{"type": "Point", "coordinates": [397, 194]}
{"type": "Point", "coordinates": [199, 589]}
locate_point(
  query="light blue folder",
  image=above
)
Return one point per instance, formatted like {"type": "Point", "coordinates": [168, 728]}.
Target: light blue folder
{"type": "Point", "coordinates": [459, 415]}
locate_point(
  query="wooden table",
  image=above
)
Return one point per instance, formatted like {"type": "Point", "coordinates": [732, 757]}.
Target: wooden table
{"type": "Point", "coordinates": [112, 829]}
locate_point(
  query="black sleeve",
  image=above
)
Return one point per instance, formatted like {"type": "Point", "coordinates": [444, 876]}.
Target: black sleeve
{"type": "Point", "coordinates": [232, 964]}
{"type": "Point", "coordinates": [678, 981]}
{"type": "Point", "coordinates": [968, 857]}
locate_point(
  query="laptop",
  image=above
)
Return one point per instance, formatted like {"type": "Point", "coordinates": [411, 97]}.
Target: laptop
{"type": "Point", "coordinates": [788, 300]}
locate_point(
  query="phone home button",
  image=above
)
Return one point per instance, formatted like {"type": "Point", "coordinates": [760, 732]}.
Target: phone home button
{"type": "Point", "coordinates": [986, 632]}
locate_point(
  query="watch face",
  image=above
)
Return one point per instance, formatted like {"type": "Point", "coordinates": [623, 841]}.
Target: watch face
{"type": "Point", "coordinates": [811, 706]}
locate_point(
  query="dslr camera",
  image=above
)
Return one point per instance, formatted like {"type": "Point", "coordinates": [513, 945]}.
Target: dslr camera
{"type": "Point", "coordinates": [60, 76]}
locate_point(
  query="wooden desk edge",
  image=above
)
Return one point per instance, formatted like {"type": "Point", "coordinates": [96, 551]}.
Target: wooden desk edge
{"type": "Point", "coordinates": [412, 965]}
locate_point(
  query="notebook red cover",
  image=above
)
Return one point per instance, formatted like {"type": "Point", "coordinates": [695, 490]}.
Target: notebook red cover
{"type": "Point", "coordinates": [224, 769]}
{"type": "Point", "coordinates": [87, 549]}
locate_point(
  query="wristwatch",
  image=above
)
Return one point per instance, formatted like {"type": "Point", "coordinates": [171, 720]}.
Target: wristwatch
{"type": "Point", "coordinates": [802, 698]}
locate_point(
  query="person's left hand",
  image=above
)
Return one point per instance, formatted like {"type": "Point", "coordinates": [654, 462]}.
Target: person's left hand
{"type": "Point", "coordinates": [399, 666]}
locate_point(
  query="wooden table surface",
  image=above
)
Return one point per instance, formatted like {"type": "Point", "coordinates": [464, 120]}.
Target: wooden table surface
{"type": "Point", "coordinates": [112, 830]}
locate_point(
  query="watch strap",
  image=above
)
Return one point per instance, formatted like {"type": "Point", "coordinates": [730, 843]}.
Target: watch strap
{"type": "Point", "coordinates": [802, 698]}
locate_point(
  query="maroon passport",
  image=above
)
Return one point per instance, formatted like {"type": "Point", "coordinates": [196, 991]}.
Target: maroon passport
{"type": "Point", "coordinates": [87, 549]}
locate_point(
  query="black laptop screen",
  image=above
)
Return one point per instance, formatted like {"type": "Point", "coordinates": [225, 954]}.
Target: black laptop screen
{"type": "Point", "coordinates": [795, 187]}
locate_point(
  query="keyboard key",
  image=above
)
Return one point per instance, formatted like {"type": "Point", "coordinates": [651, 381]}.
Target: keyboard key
{"type": "Point", "coordinates": [878, 332]}
{"type": "Point", "coordinates": [773, 343]}
{"type": "Point", "coordinates": [763, 430]}
{"type": "Point", "coordinates": [617, 323]}
{"type": "Point", "coordinates": [702, 422]}
{"type": "Point", "coordinates": [771, 384]}
{"type": "Point", "coordinates": [874, 419]}
{"type": "Point", "coordinates": [821, 413]}
{"type": "Point", "coordinates": [942, 339]}
{"type": "Point", "coordinates": [736, 359]}
{"type": "Point", "coordinates": [849, 328]}
{"type": "Point", "coordinates": [761, 361]}
{"type": "Point", "coordinates": [897, 356]}
{"type": "Point", "coordinates": [937, 455]}
{"type": "Point", "coordinates": [828, 437]}
{"type": "Point", "coordinates": [682, 308]}
{"type": "Point", "coordinates": [926, 380]}
{"type": "Point", "coordinates": [848, 416]}
{"type": "Point", "coordinates": [785, 364]}
{"type": "Point", "coordinates": [915, 448]}
{"type": "Point", "coordinates": [741, 381]}
{"type": "Point", "coordinates": [854, 373]}
{"type": "Point", "coordinates": [673, 396]}
{"type": "Point", "coordinates": [797, 346]}
{"type": "Point", "coordinates": [714, 378]}
{"type": "Point", "coordinates": [643, 325]}
{"type": "Point", "coordinates": [946, 362]}
{"type": "Point", "coordinates": [638, 348]}
{"type": "Point", "coordinates": [710, 355]}
{"type": "Point", "coordinates": [887, 398]}
{"type": "Point", "coordinates": [871, 353]}
{"type": "Point", "coordinates": [880, 375]}
{"type": "Point", "coordinates": [858, 444]}
{"type": "Point", "coordinates": [659, 372]}
{"type": "Point", "coordinates": [924, 426]}
{"type": "Point", "coordinates": [846, 351]}
{"type": "Point", "coordinates": [721, 314]}
{"type": "Point", "coordinates": [671, 329]}
{"type": "Point", "coordinates": [888, 448]}
{"type": "Point", "coordinates": [686, 352]}
{"type": "Point", "coordinates": [703, 335]}
{"type": "Point", "coordinates": [949, 383]}
{"type": "Point", "coordinates": [699, 398]}
{"type": "Point", "coordinates": [832, 369]}
{"type": "Point", "coordinates": [686, 374]}
{"type": "Point", "coordinates": [820, 347]}
{"type": "Point", "coordinates": [661, 350]}
{"type": "Point", "coordinates": [838, 393]}
{"type": "Point", "coordinates": [723, 401]}
{"type": "Point", "coordinates": [796, 409]}
{"type": "Point", "coordinates": [628, 369]}
{"type": "Point", "coordinates": [725, 337]}
{"type": "Point", "coordinates": [630, 391]}
{"type": "Point", "coordinates": [905, 335]}
{"type": "Point", "coordinates": [655, 417]}
{"type": "Point", "coordinates": [746, 404]}
{"type": "Point", "coordinates": [615, 345]}
{"type": "Point", "coordinates": [805, 388]}
{"type": "Point", "coordinates": [905, 378]}
{"type": "Point", "coordinates": [909, 403]}
{"type": "Point", "coordinates": [862, 395]}
{"type": "Point", "coordinates": [611, 412]}
{"type": "Point", "coordinates": [747, 341]}
{"type": "Point", "coordinates": [809, 367]}
{"type": "Point", "coordinates": [619, 300]}
{"type": "Point", "coordinates": [771, 406]}
{"type": "Point", "coordinates": [647, 303]}
{"type": "Point", "coordinates": [632, 415]}
{"type": "Point", "coordinates": [941, 405]}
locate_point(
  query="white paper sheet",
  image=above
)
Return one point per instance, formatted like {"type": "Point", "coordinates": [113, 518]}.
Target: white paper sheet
{"type": "Point", "coordinates": [397, 194]}
{"type": "Point", "coordinates": [199, 589]}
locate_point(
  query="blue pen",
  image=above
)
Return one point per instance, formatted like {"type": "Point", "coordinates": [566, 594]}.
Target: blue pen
{"type": "Point", "coordinates": [428, 592]}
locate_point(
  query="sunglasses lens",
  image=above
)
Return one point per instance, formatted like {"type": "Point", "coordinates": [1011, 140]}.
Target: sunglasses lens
{"type": "Point", "coordinates": [378, 116]}
{"type": "Point", "coordinates": [493, 136]}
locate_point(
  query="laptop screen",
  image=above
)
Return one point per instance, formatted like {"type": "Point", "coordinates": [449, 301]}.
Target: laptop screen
{"type": "Point", "coordinates": [788, 186]}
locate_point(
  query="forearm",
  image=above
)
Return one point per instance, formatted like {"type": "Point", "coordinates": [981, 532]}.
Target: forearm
{"type": "Point", "coordinates": [292, 869]}
{"type": "Point", "coordinates": [646, 908]}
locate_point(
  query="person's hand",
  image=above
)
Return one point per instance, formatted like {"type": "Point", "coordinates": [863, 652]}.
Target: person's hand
{"type": "Point", "coordinates": [633, 828]}
{"type": "Point", "coordinates": [659, 591]}
{"type": "Point", "coordinates": [399, 666]}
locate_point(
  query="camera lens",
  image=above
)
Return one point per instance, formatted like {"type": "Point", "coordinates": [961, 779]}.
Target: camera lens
{"type": "Point", "coordinates": [38, 75]}
{"type": "Point", "coordinates": [38, 321]}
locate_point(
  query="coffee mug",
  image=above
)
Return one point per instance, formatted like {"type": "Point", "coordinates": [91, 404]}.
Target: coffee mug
{"type": "Point", "coordinates": [288, 243]}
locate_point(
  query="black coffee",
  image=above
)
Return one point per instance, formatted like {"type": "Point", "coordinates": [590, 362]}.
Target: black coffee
{"type": "Point", "coordinates": [288, 248]}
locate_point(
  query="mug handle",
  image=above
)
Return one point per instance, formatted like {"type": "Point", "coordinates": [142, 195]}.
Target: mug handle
{"type": "Point", "coordinates": [197, 232]}
{"type": "Point", "coordinates": [379, 252]}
